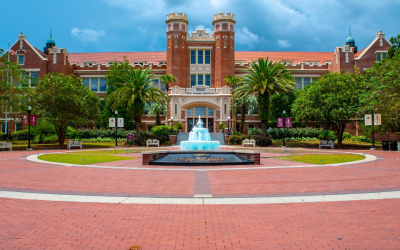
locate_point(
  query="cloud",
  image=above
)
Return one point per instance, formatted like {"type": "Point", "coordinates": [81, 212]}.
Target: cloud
{"type": "Point", "coordinates": [246, 37]}
{"type": "Point", "coordinates": [199, 27]}
{"type": "Point", "coordinates": [284, 43]}
{"type": "Point", "coordinates": [87, 35]}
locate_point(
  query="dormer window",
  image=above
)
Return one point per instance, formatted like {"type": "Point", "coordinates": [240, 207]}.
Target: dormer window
{"type": "Point", "coordinates": [380, 55]}
{"type": "Point", "coordinates": [21, 59]}
{"type": "Point", "coordinates": [141, 63]}
{"type": "Point", "coordinates": [162, 63]}
{"type": "Point", "coordinates": [90, 64]}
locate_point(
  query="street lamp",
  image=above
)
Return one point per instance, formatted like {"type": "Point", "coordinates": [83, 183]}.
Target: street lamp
{"type": "Point", "coordinates": [29, 126]}
{"type": "Point", "coordinates": [116, 126]}
{"type": "Point", "coordinates": [284, 127]}
{"type": "Point", "coordinates": [172, 123]}
{"type": "Point", "coordinates": [229, 125]}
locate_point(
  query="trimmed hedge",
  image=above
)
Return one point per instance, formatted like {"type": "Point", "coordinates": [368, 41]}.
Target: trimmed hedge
{"type": "Point", "coordinates": [277, 133]}
{"type": "Point", "coordinates": [260, 140]}
{"type": "Point", "coordinates": [103, 133]}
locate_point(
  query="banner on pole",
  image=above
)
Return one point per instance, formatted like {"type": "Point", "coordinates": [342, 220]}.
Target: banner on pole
{"type": "Point", "coordinates": [288, 122]}
{"type": "Point", "coordinates": [279, 122]}
{"type": "Point", "coordinates": [368, 120]}
{"type": "Point", "coordinates": [111, 122]}
{"type": "Point", "coordinates": [377, 119]}
{"type": "Point", "coordinates": [25, 120]}
{"type": "Point", "coordinates": [120, 122]}
{"type": "Point", "coordinates": [33, 120]}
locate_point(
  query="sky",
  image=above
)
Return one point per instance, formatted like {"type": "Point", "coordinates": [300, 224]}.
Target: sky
{"type": "Point", "coordinates": [261, 25]}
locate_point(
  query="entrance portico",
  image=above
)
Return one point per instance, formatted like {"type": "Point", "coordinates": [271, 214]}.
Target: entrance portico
{"type": "Point", "coordinates": [211, 104]}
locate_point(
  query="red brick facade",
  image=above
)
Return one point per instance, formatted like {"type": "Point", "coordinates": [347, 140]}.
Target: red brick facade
{"type": "Point", "coordinates": [176, 60]}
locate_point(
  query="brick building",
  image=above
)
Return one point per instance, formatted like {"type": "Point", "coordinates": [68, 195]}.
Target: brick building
{"type": "Point", "coordinates": [200, 61]}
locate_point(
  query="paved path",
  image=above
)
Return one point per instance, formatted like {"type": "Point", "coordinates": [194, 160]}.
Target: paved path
{"type": "Point", "coordinates": [356, 224]}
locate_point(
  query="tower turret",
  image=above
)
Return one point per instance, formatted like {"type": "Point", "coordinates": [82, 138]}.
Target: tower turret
{"type": "Point", "coordinates": [50, 43]}
{"type": "Point", "coordinates": [350, 41]}
{"type": "Point", "coordinates": [177, 59]}
{"type": "Point", "coordinates": [224, 33]}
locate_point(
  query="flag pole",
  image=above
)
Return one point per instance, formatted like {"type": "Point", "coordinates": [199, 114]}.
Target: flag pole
{"type": "Point", "coordinates": [8, 82]}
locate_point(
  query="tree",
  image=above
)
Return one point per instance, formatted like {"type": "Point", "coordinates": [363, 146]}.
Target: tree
{"type": "Point", "coordinates": [14, 87]}
{"type": "Point", "coordinates": [382, 92]}
{"type": "Point", "coordinates": [43, 127]}
{"type": "Point", "coordinates": [333, 99]}
{"type": "Point", "coordinates": [167, 79]}
{"type": "Point", "coordinates": [157, 110]}
{"type": "Point", "coordinates": [395, 46]}
{"type": "Point", "coordinates": [281, 103]}
{"type": "Point", "coordinates": [263, 79]}
{"type": "Point", "coordinates": [246, 104]}
{"type": "Point", "coordinates": [233, 82]}
{"type": "Point", "coordinates": [133, 89]}
{"type": "Point", "coordinates": [63, 100]}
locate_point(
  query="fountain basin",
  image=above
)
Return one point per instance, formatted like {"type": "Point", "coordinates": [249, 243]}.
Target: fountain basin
{"type": "Point", "coordinates": [200, 145]}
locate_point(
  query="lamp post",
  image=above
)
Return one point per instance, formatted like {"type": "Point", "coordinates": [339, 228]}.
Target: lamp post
{"type": "Point", "coordinates": [373, 132]}
{"type": "Point", "coordinates": [229, 125]}
{"type": "Point", "coordinates": [284, 127]}
{"type": "Point", "coordinates": [172, 123]}
{"type": "Point", "coordinates": [116, 126]}
{"type": "Point", "coordinates": [29, 127]}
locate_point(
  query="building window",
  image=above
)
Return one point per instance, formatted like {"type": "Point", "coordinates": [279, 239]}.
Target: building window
{"type": "Point", "coordinates": [231, 42]}
{"type": "Point", "coordinates": [21, 59]}
{"type": "Point", "coordinates": [95, 84]}
{"type": "Point", "coordinates": [176, 109]}
{"type": "Point", "coordinates": [18, 126]}
{"type": "Point", "coordinates": [190, 112]}
{"type": "Point", "coordinates": [155, 83]}
{"type": "Point", "coordinates": [225, 109]}
{"type": "Point", "coordinates": [200, 57]}
{"type": "Point", "coordinates": [3, 127]}
{"type": "Point", "coordinates": [183, 42]}
{"type": "Point", "coordinates": [225, 42]}
{"type": "Point", "coordinates": [208, 80]}
{"type": "Point", "coordinates": [380, 56]}
{"type": "Point", "coordinates": [207, 56]}
{"type": "Point", "coordinates": [162, 86]}
{"type": "Point", "coordinates": [251, 126]}
{"type": "Point", "coordinates": [176, 42]}
{"type": "Point", "coordinates": [103, 85]}
{"type": "Point", "coordinates": [193, 57]}
{"type": "Point", "coordinates": [169, 42]}
{"type": "Point", "coordinates": [217, 42]}
{"type": "Point", "coordinates": [192, 80]}
{"type": "Point", "coordinates": [302, 82]}
{"type": "Point", "coordinates": [200, 110]}
{"type": "Point", "coordinates": [200, 80]}
{"type": "Point", "coordinates": [86, 82]}
{"type": "Point", "coordinates": [210, 112]}
{"type": "Point", "coordinates": [149, 127]}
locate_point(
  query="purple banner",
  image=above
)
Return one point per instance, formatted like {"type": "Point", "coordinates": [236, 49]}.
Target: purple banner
{"type": "Point", "coordinates": [279, 122]}
{"type": "Point", "coordinates": [288, 122]}
{"type": "Point", "coordinates": [25, 120]}
{"type": "Point", "coordinates": [33, 120]}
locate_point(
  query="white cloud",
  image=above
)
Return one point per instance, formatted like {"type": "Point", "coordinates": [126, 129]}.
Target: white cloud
{"type": "Point", "coordinates": [199, 27]}
{"type": "Point", "coordinates": [87, 35]}
{"type": "Point", "coordinates": [245, 36]}
{"type": "Point", "coordinates": [284, 43]}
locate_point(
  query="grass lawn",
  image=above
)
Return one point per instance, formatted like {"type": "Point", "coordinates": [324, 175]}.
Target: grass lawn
{"type": "Point", "coordinates": [82, 159]}
{"type": "Point", "coordinates": [315, 144]}
{"type": "Point", "coordinates": [326, 159]}
{"type": "Point", "coordinates": [108, 152]}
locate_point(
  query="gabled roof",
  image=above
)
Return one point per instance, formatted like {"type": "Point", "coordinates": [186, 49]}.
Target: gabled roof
{"type": "Point", "coordinates": [362, 52]}
{"type": "Point", "coordinates": [155, 57]}
{"type": "Point", "coordinates": [359, 52]}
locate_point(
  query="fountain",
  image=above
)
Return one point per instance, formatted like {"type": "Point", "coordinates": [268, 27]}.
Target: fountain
{"type": "Point", "coordinates": [199, 139]}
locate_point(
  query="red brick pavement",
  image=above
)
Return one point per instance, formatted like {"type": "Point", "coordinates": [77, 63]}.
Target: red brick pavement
{"type": "Point", "coordinates": [351, 225]}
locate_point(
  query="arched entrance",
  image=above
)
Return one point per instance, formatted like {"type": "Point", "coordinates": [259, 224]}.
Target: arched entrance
{"type": "Point", "coordinates": [205, 112]}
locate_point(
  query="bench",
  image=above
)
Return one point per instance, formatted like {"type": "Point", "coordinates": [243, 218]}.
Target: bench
{"type": "Point", "coordinates": [153, 142]}
{"type": "Point", "coordinates": [329, 143]}
{"type": "Point", "coordinates": [248, 142]}
{"type": "Point", "coordinates": [6, 145]}
{"type": "Point", "coordinates": [71, 144]}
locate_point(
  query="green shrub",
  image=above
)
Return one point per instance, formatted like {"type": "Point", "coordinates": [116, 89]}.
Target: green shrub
{"type": "Point", "coordinates": [236, 133]}
{"type": "Point", "coordinates": [179, 125]}
{"type": "Point", "coordinates": [277, 133]}
{"type": "Point", "coordinates": [363, 138]}
{"type": "Point", "coordinates": [163, 130]}
{"type": "Point", "coordinates": [237, 139]}
{"type": "Point", "coordinates": [130, 142]}
{"type": "Point", "coordinates": [262, 141]}
{"type": "Point", "coordinates": [327, 135]}
{"type": "Point", "coordinates": [254, 131]}
{"type": "Point", "coordinates": [95, 133]}
{"type": "Point", "coordinates": [221, 126]}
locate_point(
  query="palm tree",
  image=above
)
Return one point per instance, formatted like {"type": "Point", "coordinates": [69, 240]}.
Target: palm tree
{"type": "Point", "coordinates": [263, 79]}
{"type": "Point", "coordinates": [245, 103]}
{"type": "Point", "coordinates": [167, 79]}
{"type": "Point", "coordinates": [157, 110]}
{"type": "Point", "coordinates": [233, 82]}
{"type": "Point", "coordinates": [134, 90]}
